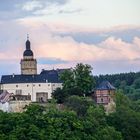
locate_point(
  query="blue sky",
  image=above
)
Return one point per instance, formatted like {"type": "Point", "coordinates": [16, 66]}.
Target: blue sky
{"type": "Point", "coordinates": [102, 33]}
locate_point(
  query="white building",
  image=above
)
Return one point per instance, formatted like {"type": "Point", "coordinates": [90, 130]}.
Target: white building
{"type": "Point", "coordinates": [37, 87]}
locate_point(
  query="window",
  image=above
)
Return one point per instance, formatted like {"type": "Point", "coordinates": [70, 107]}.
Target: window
{"type": "Point", "coordinates": [16, 85]}
{"type": "Point", "coordinates": [39, 85]}
{"type": "Point", "coordinates": [27, 85]}
{"type": "Point", "coordinates": [18, 92]}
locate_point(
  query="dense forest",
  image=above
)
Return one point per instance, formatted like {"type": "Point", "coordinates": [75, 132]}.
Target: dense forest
{"type": "Point", "coordinates": [129, 83]}
{"type": "Point", "coordinates": [78, 119]}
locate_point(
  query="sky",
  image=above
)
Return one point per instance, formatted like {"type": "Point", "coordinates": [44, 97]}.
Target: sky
{"type": "Point", "coordinates": [102, 33]}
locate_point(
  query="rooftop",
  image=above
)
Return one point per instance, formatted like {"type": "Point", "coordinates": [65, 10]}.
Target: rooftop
{"type": "Point", "coordinates": [105, 85]}
{"type": "Point", "coordinates": [50, 76]}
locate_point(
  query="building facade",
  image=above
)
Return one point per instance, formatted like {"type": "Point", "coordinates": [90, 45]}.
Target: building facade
{"type": "Point", "coordinates": [39, 87]}
{"type": "Point", "coordinates": [29, 84]}
{"type": "Point", "coordinates": [104, 94]}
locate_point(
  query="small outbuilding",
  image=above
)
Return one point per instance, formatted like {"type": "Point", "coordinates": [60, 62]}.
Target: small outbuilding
{"type": "Point", "coordinates": [104, 93]}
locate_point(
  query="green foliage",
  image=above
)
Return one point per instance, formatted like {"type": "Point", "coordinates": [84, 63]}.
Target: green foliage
{"type": "Point", "coordinates": [79, 78]}
{"type": "Point", "coordinates": [34, 108]}
{"type": "Point", "coordinates": [68, 79]}
{"type": "Point", "coordinates": [126, 119]}
{"type": "Point", "coordinates": [136, 106]}
{"type": "Point", "coordinates": [78, 81]}
{"type": "Point", "coordinates": [80, 119]}
{"type": "Point", "coordinates": [79, 104]}
{"type": "Point", "coordinates": [136, 83]}
{"type": "Point", "coordinates": [60, 95]}
{"type": "Point", "coordinates": [83, 78]}
{"type": "Point", "coordinates": [39, 123]}
{"type": "Point", "coordinates": [108, 133]}
{"type": "Point", "coordinates": [122, 100]}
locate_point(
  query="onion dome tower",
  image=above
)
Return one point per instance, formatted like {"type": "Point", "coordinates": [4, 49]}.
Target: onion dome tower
{"type": "Point", "coordinates": [28, 63]}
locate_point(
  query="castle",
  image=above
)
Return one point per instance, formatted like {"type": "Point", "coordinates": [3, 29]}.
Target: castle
{"type": "Point", "coordinates": [29, 85]}
{"type": "Point", "coordinates": [32, 87]}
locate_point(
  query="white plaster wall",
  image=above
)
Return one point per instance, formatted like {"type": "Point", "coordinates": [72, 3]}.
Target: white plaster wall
{"type": "Point", "coordinates": [32, 88]}
{"type": "Point", "coordinates": [56, 85]}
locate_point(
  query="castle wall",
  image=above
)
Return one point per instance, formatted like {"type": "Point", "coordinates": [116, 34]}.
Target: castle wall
{"type": "Point", "coordinates": [14, 106]}
{"type": "Point", "coordinates": [31, 89]}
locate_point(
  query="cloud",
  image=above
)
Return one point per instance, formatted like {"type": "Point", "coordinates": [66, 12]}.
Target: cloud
{"type": "Point", "coordinates": [111, 54]}
{"type": "Point", "coordinates": [90, 13]}
{"type": "Point", "coordinates": [68, 50]}
{"type": "Point", "coordinates": [32, 5]}
{"type": "Point", "coordinates": [16, 9]}
{"type": "Point", "coordinates": [85, 35]}
{"type": "Point", "coordinates": [39, 7]}
{"type": "Point", "coordinates": [92, 36]}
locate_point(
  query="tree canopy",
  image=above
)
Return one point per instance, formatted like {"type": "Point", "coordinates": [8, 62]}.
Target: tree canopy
{"type": "Point", "coordinates": [79, 119]}
{"type": "Point", "coordinates": [78, 81]}
{"type": "Point", "coordinates": [79, 78]}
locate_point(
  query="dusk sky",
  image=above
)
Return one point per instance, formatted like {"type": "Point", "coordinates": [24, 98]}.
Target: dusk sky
{"type": "Point", "coordinates": [102, 33]}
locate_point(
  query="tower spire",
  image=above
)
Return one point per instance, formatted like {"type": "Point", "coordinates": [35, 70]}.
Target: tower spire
{"type": "Point", "coordinates": [27, 43]}
{"type": "Point", "coordinates": [27, 36]}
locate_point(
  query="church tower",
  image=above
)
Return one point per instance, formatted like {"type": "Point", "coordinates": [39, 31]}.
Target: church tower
{"type": "Point", "coordinates": [28, 63]}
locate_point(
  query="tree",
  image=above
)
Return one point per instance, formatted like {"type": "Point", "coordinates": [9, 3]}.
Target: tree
{"type": "Point", "coordinates": [60, 95]}
{"type": "Point", "coordinates": [79, 104]}
{"type": "Point", "coordinates": [122, 100]}
{"type": "Point", "coordinates": [83, 78]}
{"type": "Point", "coordinates": [68, 79]}
{"type": "Point", "coordinates": [126, 118]}
{"type": "Point", "coordinates": [80, 78]}
{"type": "Point", "coordinates": [136, 83]}
{"type": "Point", "coordinates": [74, 91]}
{"type": "Point", "coordinates": [127, 122]}
{"type": "Point", "coordinates": [108, 133]}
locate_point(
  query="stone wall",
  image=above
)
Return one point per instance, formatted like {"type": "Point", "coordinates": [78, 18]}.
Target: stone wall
{"type": "Point", "coordinates": [14, 106]}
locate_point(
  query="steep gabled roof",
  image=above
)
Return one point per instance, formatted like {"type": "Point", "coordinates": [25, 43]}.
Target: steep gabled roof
{"type": "Point", "coordinates": [105, 85]}
{"type": "Point", "coordinates": [4, 97]}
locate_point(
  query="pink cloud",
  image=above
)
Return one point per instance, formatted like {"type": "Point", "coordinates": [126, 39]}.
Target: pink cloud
{"type": "Point", "coordinates": [45, 44]}
{"type": "Point", "coordinates": [65, 48]}
{"type": "Point", "coordinates": [38, 23]}
{"type": "Point", "coordinates": [118, 49]}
